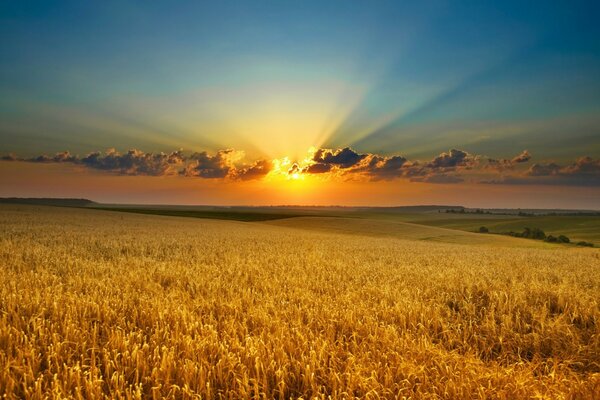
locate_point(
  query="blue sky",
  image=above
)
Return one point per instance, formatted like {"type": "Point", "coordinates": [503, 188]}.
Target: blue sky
{"type": "Point", "coordinates": [273, 79]}
{"type": "Point", "coordinates": [388, 69]}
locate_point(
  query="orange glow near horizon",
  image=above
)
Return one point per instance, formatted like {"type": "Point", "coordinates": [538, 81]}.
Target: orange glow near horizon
{"type": "Point", "coordinates": [63, 180]}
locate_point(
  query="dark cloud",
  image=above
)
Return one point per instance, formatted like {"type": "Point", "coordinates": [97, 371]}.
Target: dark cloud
{"type": "Point", "coordinates": [391, 166]}
{"type": "Point", "coordinates": [206, 166]}
{"type": "Point", "coordinates": [134, 162]}
{"type": "Point", "coordinates": [379, 167]}
{"type": "Point", "coordinates": [415, 168]}
{"type": "Point", "coordinates": [376, 167]}
{"type": "Point", "coordinates": [453, 166]}
{"type": "Point", "coordinates": [10, 157]}
{"type": "Point", "coordinates": [40, 159]}
{"type": "Point", "coordinates": [343, 158]}
{"type": "Point", "coordinates": [63, 156]}
{"type": "Point", "coordinates": [585, 171]}
{"type": "Point", "coordinates": [543, 169]}
{"type": "Point", "coordinates": [584, 167]}
{"type": "Point", "coordinates": [454, 158]}
{"type": "Point", "coordinates": [502, 164]}
{"type": "Point", "coordinates": [255, 171]}
{"type": "Point", "coordinates": [295, 169]}
{"type": "Point", "coordinates": [318, 168]}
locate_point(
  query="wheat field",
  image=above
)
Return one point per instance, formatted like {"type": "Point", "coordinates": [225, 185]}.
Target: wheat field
{"type": "Point", "coordinates": [96, 304]}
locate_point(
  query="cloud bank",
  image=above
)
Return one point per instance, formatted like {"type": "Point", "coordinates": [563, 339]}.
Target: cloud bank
{"type": "Point", "coordinates": [451, 167]}
{"type": "Point", "coordinates": [585, 171]}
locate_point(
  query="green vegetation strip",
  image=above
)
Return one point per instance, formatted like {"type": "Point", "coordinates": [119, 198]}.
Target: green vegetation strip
{"type": "Point", "coordinates": [244, 216]}
{"type": "Point", "coordinates": [577, 228]}
{"type": "Point", "coordinates": [538, 234]}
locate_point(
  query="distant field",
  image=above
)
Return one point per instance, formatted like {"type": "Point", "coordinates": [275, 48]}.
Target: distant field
{"type": "Point", "coordinates": [235, 215]}
{"type": "Point", "coordinates": [102, 304]}
{"type": "Point", "coordinates": [576, 228]}
{"type": "Point", "coordinates": [388, 221]}
{"type": "Point", "coordinates": [401, 230]}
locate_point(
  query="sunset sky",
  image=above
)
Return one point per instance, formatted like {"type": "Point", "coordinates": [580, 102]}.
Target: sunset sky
{"type": "Point", "coordinates": [482, 104]}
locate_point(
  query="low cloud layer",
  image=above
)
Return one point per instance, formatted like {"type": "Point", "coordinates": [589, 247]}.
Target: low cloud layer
{"type": "Point", "coordinates": [456, 166]}
{"type": "Point", "coordinates": [204, 165]}
{"type": "Point", "coordinates": [502, 164]}
{"type": "Point", "coordinates": [451, 167]}
{"type": "Point", "coordinates": [453, 159]}
{"type": "Point", "coordinates": [343, 158]}
{"type": "Point", "coordinates": [346, 162]}
{"type": "Point", "coordinates": [521, 158]}
{"type": "Point", "coordinates": [223, 164]}
{"type": "Point", "coordinates": [585, 171]}
{"type": "Point", "coordinates": [257, 170]}
{"type": "Point", "coordinates": [133, 162]}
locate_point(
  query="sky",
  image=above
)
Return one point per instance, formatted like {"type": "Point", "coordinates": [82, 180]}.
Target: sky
{"type": "Point", "coordinates": [483, 104]}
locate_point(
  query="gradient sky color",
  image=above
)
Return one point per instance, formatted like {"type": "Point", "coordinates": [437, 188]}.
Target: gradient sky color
{"type": "Point", "coordinates": [274, 79]}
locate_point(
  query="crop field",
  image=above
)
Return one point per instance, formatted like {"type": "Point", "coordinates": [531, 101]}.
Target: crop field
{"type": "Point", "coordinates": [575, 227]}
{"type": "Point", "coordinates": [246, 216]}
{"type": "Point", "coordinates": [103, 304]}
{"type": "Point", "coordinates": [400, 230]}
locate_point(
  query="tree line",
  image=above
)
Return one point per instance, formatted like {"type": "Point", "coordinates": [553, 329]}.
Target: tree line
{"type": "Point", "coordinates": [538, 234]}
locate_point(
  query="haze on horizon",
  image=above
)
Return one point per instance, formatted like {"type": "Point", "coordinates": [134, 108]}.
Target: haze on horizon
{"type": "Point", "coordinates": [316, 103]}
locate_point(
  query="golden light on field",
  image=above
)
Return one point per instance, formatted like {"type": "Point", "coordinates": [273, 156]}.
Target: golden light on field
{"type": "Point", "coordinates": [299, 200]}
{"type": "Point", "coordinates": [185, 308]}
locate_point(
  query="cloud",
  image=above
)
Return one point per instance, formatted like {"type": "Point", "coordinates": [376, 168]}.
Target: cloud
{"type": "Point", "coordinates": [583, 167]}
{"type": "Point", "coordinates": [387, 167]}
{"type": "Point", "coordinates": [343, 158]}
{"type": "Point", "coordinates": [255, 171]}
{"type": "Point", "coordinates": [295, 169]}
{"type": "Point", "coordinates": [318, 168]}
{"type": "Point", "coordinates": [453, 159]}
{"type": "Point", "coordinates": [543, 169]}
{"type": "Point", "coordinates": [220, 165]}
{"type": "Point", "coordinates": [63, 156]}
{"type": "Point", "coordinates": [10, 157]}
{"type": "Point", "coordinates": [453, 166]}
{"type": "Point", "coordinates": [350, 163]}
{"type": "Point", "coordinates": [585, 171]}
{"type": "Point", "coordinates": [377, 167]}
{"type": "Point", "coordinates": [521, 158]}
{"type": "Point", "coordinates": [134, 162]}
{"type": "Point", "coordinates": [504, 164]}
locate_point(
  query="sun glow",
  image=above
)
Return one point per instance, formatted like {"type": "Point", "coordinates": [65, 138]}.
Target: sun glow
{"type": "Point", "coordinates": [287, 170]}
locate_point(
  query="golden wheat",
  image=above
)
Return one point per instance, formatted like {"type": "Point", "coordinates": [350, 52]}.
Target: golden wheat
{"type": "Point", "coordinates": [96, 304]}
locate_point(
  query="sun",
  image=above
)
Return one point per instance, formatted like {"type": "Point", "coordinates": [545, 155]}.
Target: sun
{"type": "Point", "coordinates": [295, 176]}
